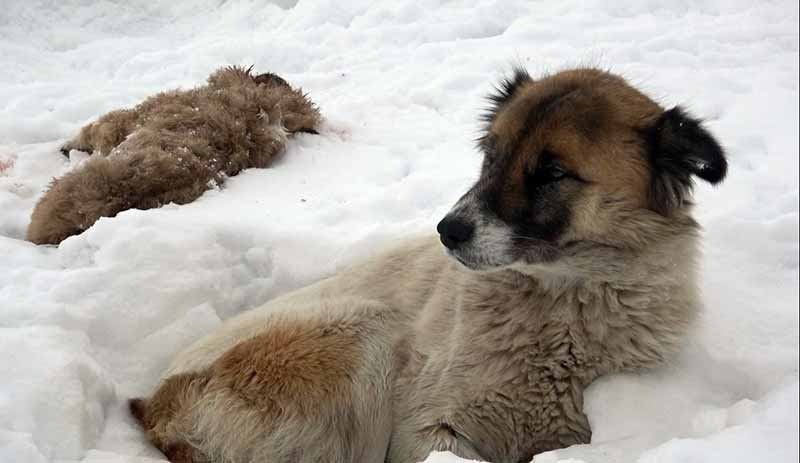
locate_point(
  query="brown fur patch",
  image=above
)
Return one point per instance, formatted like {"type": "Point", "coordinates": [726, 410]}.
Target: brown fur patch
{"type": "Point", "coordinates": [299, 364]}
{"type": "Point", "coordinates": [180, 453]}
{"type": "Point", "coordinates": [171, 148]}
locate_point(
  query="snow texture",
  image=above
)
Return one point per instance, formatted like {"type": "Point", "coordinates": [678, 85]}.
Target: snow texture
{"type": "Point", "coordinates": [85, 325]}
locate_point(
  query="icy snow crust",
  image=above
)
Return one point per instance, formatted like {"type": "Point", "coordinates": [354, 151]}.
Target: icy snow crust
{"type": "Point", "coordinates": [92, 322]}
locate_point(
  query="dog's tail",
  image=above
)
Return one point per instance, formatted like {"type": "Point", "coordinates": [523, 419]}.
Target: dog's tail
{"type": "Point", "coordinates": [160, 417]}
{"type": "Point", "coordinates": [138, 408]}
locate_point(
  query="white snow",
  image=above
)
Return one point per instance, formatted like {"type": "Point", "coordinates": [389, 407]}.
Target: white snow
{"type": "Point", "coordinates": [92, 322]}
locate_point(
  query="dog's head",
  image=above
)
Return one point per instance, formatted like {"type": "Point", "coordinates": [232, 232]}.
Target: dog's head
{"type": "Point", "coordinates": [575, 160]}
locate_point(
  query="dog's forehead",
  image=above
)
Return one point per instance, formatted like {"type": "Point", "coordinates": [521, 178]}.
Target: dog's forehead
{"type": "Point", "coordinates": [587, 102]}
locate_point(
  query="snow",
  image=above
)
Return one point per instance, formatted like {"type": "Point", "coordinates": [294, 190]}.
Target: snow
{"type": "Point", "coordinates": [92, 322]}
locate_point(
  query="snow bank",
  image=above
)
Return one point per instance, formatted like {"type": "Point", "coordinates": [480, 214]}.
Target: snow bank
{"type": "Point", "coordinates": [92, 322]}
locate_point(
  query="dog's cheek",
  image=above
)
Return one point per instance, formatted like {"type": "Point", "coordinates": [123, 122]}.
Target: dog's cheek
{"type": "Point", "coordinates": [546, 215]}
{"type": "Point", "coordinates": [590, 217]}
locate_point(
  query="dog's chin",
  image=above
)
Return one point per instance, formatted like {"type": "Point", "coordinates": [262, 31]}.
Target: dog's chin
{"type": "Point", "coordinates": [490, 262]}
{"type": "Point", "coordinates": [477, 263]}
{"type": "Point", "coordinates": [539, 255]}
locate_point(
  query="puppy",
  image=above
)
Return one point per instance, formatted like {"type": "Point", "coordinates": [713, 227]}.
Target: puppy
{"type": "Point", "coordinates": [172, 148]}
{"type": "Point", "coordinates": [572, 256]}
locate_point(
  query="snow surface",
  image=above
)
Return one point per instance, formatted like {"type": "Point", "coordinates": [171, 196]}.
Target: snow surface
{"type": "Point", "coordinates": [91, 322]}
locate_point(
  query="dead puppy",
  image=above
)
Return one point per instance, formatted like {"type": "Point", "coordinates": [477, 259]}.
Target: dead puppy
{"type": "Point", "coordinates": [572, 257]}
{"type": "Point", "coordinates": [172, 148]}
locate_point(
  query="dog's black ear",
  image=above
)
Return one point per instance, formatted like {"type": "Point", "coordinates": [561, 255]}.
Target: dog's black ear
{"type": "Point", "coordinates": [681, 148]}
{"type": "Point", "coordinates": [504, 91]}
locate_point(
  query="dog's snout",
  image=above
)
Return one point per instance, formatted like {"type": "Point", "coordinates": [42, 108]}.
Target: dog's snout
{"type": "Point", "coordinates": [454, 231]}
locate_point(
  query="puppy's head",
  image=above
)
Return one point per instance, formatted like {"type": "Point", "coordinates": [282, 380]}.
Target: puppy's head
{"type": "Point", "coordinates": [576, 160]}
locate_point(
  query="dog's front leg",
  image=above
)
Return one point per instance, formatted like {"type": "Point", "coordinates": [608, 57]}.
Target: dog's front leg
{"type": "Point", "coordinates": [104, 134]}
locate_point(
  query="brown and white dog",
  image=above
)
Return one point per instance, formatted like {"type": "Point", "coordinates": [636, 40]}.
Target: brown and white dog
{"type": "Point", "coordinates": [571, 257]}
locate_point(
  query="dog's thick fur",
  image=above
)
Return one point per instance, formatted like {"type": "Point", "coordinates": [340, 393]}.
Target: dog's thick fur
{"type": "Point", "coordinates": [572, 257]}
{"type": "Point", "coordinates": [172, 148]}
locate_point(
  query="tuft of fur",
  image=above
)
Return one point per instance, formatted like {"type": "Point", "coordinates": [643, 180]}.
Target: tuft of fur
{"type": "Point", "coordinates": [171, 148]}
{"type": "Point", "coordinates": [505, 90]}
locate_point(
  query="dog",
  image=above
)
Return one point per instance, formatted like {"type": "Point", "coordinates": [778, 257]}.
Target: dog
{"type": "Point", "coordinates": [172, 148]}
{"type": "Point", "coordinates": [572, 257]}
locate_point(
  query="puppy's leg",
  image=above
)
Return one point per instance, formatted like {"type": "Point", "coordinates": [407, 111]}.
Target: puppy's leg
{"type": "Point", "coordinates": [103, 134]}
{"type": "Point", "coordinates": [298, 113]}
{"type": "Point", "coordinates": [307, 390]}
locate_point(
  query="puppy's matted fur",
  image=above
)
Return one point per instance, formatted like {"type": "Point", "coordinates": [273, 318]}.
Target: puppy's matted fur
{"type": "Point", "coordinates": [570, 258]}
{"type": "Point", "coordinates": [172, 148]}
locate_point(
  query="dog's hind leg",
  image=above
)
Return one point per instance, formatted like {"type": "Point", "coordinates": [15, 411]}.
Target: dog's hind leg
{"type": "Point", "coordinates": [306, 390]}
{"type": "Point", "coordinates": [297, 112]}
{"type": "Point", "coordinates": [104, 134]}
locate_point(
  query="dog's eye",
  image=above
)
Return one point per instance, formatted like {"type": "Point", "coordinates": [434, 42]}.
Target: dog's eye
{"type": "Point", "coordinates": [548, 169]}
{"type": "Point", "coordinates": [554, 172]}
{"type": "Point", "coordinates": [549, 172]}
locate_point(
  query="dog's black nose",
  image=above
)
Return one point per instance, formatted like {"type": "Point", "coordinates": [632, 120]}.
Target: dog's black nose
{"type": "Point", "coordinates": [454, 231]}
